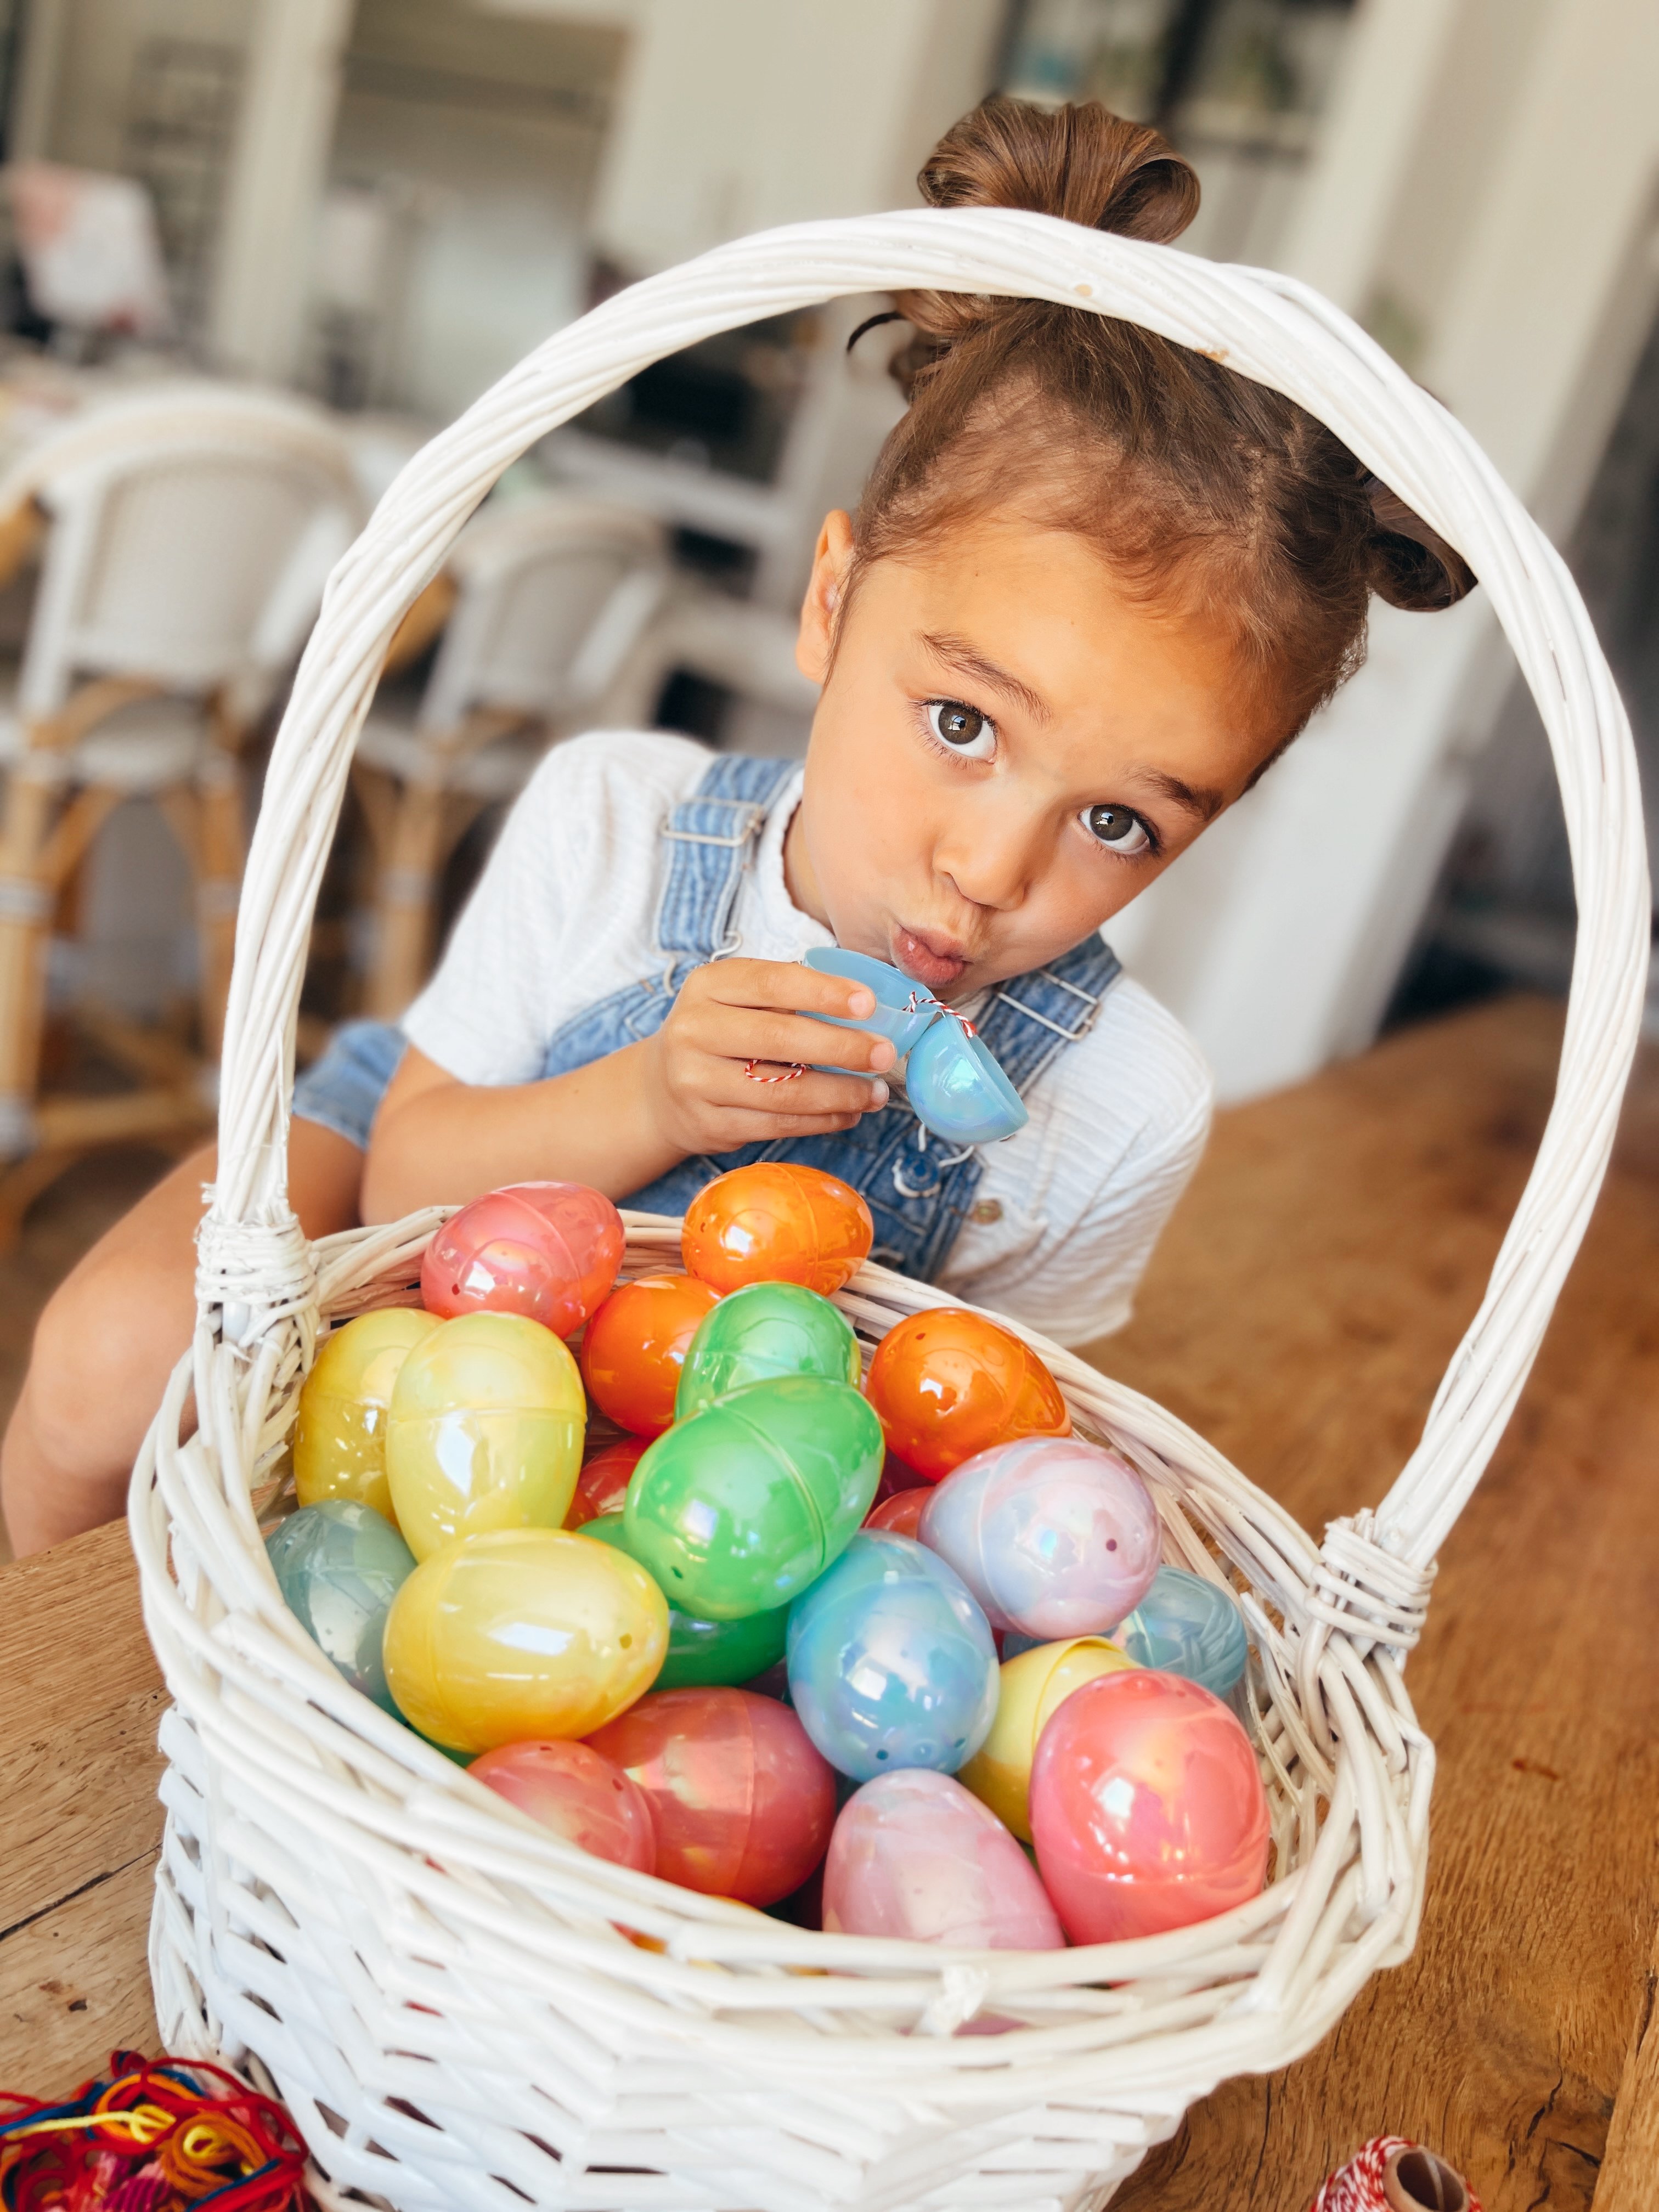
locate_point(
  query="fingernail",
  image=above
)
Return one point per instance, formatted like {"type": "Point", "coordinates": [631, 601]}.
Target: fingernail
{"type": "Point", "coordinates": [877, 1094]}
{"type": "Point", "coordinates": [861, 1003]}
{"type": "Point", "coordinates": [882, 1054]}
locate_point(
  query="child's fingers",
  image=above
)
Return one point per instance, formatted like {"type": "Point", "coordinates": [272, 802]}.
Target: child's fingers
{"type": "Point", "coordinates": [786, 985]}
{"type": "Point", "coordinates": [770, 1087]}
{"type": "Point", "coordinates": [750, 1033]}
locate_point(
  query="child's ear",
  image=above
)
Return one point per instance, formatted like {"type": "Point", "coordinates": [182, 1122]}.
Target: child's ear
{"type": "Point", "coordinates": [832, 563]}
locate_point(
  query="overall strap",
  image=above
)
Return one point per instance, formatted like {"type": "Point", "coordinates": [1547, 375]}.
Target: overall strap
{"type": "Point", "coordinates": [1031, 1017]}
{"type": "Point", "coordinates": [711, 836]}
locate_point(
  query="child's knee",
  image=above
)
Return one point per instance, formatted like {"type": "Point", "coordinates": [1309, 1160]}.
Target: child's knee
{"type": "Point", "coordinates": [103, 1347]}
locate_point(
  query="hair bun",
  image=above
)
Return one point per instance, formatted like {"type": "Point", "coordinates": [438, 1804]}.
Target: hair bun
{"type": "Point", "coordinates": [1082, 163]}
{"type": "Point", "coordinates": [1411, 565]}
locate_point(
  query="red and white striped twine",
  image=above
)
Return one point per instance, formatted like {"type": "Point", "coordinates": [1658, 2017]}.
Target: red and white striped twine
{"type": "Point", "coordinates": [1389, 2174]}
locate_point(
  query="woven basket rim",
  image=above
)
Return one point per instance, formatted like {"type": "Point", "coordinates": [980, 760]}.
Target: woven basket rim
{"type": "Point", "coordinates": [271, 1764]}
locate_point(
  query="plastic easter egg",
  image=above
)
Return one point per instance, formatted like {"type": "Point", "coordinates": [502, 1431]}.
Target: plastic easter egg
{"type": "Point", "coordinates": [743, 1805]}
{"type": "Point", "coordinates": [1054, 1536]}
{"type": "Point", "coordinates": [339, 1432]}
{"type": "Point", "coordinates": [900, 1515]}
{"type": "Point", "coordinates": [914, 1855]}
{"type": "Point", "coordinates": [339, 1566]}
{"type": "Point", "coordinates": [759, 1334]}
{"type": "Point", "coordinates": [891, 1660]}
{"type": "Point", "coordinates": [485, 1431]}
{"type": "Point", "coordinates": [776, 1222]}
{"type": "Point", "coordinates": [1188, 1625]}
{"type": "Point", "coordinates": [633, 1350]}
{"type": "Point", "coordinates": [707, 1651]}
{"type": "Point", "coordinates": [738, 1509]}
{"type": "Point", "coordinates": [948, 1383]}
{"type": "Point", "coordinates": [1034, 1685]}
{"type": "Point", "coordinates": [547, 1250]}
{"type": "Point", "coordinates": [578, 1794]}
{"type": "Point", "coordinates": [1147, 1808]}
{"type": "Point", "coordinates": [903, 1012]}
{"type": "Point", "coordinates": [602, 1485]}
{"type": "Point", "coordinates": [521, 1633]}
{"type": "Point", "coordinates": [957, 1089]}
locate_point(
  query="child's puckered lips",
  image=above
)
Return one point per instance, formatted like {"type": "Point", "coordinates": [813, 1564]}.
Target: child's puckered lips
{"type": "Point", "coordinates": [927, 957]}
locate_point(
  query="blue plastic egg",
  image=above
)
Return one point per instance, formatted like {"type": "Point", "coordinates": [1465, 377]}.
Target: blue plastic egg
{"type": "Point", "coordinates": [339, 1566]}
{"type": "Point", "coordinates": [1187, 1624]}
{"type": "Point", "coordinates": [895, 1017]}
{"type": "Point", "coordinates": [892, 1661]}
{"type": "Point", "coordinates": [957, 1089]}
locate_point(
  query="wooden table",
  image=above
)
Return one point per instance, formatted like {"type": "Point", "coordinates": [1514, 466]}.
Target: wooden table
{"type": "Point", "coordinates": [1300, 1311]}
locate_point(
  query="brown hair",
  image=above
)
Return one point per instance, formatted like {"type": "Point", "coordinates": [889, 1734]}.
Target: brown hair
{"type": "Point", "coordinates": [1211, 496]}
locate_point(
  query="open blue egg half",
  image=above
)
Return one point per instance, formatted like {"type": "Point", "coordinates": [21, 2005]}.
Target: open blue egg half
{"type": "Point", "coordinates": [893, 992]}
{"type": "Point", "coordinates": [958, 1089]}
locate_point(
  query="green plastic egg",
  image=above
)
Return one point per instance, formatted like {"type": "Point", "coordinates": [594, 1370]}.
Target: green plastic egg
{"type": "Point", "coordinates": [758, 1334]}
{"type": "Point", "coordinates": [702, 1653]}
{"type": "Point", "coordinates": [738, 1509]}
{"type": "Point", "coordinates": [485, 1431]}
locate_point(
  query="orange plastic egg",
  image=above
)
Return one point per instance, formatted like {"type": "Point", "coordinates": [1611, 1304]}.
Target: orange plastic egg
{"type": "Point", "coordinates": [602, 1485]}
{"type": "Point", "coordinates": [635, 1349]}
{"type": "Point", "coordinates": [776, 1222]}
{"type": "Point", "coordinates": [949, 1383]}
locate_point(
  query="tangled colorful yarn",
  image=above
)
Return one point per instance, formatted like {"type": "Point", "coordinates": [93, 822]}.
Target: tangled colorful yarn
{"type": "Point", "coordinates": [1389, 2174]}
{"type": "Point", "coordinates": [157, 2136]}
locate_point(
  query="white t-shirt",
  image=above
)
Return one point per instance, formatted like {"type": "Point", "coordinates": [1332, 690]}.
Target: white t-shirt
{"type": "Point", "coordinates": [1067, 1210]}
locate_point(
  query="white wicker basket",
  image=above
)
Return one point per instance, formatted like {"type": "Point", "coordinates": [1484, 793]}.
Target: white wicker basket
{"type": "Point", "coordinates": [438, 1989]}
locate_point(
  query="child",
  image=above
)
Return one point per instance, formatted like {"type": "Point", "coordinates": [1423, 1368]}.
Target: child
{"type": "Point", "coordinates": [1095, 585]}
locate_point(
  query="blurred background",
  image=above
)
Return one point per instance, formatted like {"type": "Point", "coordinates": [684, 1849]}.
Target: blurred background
{"type": "Point", "coordinates": [252, 253]}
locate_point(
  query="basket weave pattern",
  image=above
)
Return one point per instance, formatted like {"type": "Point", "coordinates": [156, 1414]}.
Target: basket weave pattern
{"type": "Point", "coordinates": [462, 2011]}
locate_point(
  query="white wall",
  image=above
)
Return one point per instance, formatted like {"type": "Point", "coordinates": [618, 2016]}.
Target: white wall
{"type": "Point", "coordinates": [1485, 194]}
{"type": "Point", "coordinates": [734, 115]}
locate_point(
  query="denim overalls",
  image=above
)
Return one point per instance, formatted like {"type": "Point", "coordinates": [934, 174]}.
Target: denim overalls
{"type": "Point", "coordinates": [919, 1191]}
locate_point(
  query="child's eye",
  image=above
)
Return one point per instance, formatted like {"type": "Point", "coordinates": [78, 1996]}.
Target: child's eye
{"type": "Point", "coordinates": [1120, 831]}
{"type": "Point", "coordinates": [963, 729]}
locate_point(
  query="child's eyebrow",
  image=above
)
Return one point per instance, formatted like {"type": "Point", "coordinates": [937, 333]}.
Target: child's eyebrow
{"type": "Point", "coordinates": [957, 653]}
{"type": "Point", "coordinates": [1203, 802]}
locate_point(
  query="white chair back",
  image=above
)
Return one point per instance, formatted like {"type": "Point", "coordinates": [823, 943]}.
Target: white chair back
{"type": "Point", "coordinates": [192, 532]}
{"type": "Point", "coordinates": [553, 591]}
{"type": "Point", "coordinates": [747, 649]}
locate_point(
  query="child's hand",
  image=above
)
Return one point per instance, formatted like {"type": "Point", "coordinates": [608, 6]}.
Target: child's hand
{"type": "Point", "coordinates": [737, 1015]}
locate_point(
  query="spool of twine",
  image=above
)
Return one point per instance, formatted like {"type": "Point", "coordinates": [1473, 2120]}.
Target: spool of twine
{"type": "Point", "coordinates": [1392, 2175]}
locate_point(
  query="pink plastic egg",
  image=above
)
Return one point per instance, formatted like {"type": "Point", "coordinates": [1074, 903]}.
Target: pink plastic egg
{"type": "Point", "coordinates": [899, 1513]}
{"type": "Point", "coordinates": [577, 1793]}
{"type": "Point", "coordinates": [743, 1804]}
{"type": "Point", "coordinates": [1055, 1537]}
{"type": "Point", "coordinates": [550, 1250]}
{"type": "Point", "coordinates": [914, 1855]}
{"type": "Point", "coordinates": [1147, 1807]}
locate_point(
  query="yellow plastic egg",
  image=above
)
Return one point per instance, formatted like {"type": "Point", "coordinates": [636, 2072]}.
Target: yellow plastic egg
{"type": "Point", "coordinates": [1035, 1683]}
{"type": "Point", "coordinates": [485, 1432]}
{"type": "Point", "coordinates": [526, 1633]}
{"type": "Point", "coordinates": [339, 1434]}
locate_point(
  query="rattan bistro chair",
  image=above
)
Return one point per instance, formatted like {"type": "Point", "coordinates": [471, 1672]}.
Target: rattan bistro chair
{"type": "Point", "coordinates": [189, 531]}
{"type": "Point", "coordinates": [550, 594]}
{"type": "Point", "coordinates": [443, 1993]}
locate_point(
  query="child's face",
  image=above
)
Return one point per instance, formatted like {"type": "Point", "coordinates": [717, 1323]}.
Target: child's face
{"type": "Point", "coordinates": [1007, 750]}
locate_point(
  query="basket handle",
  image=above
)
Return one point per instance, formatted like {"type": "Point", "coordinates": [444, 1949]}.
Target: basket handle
{"type": "Point", "coordinates": [255, 1274]}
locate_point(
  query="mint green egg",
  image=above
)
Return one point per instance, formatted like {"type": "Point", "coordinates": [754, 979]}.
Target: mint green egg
{"type": "Point", "coordinates": [703, 1652]}
{"type": "Point", "coordinates": [759, 1335]}
{"type": "Point", "coordinates": [738, 1509]}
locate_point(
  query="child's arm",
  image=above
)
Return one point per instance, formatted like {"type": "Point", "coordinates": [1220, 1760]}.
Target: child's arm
{"type": "Point", "coordinates": [621, 1122]}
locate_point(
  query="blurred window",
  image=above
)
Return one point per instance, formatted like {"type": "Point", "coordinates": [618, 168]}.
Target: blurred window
{"type": "Point", "coordinates": [1237, 85]}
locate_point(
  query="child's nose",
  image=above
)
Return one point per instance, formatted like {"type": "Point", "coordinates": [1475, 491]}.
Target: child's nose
{"type": "Point", "coordinates": [993, 870]}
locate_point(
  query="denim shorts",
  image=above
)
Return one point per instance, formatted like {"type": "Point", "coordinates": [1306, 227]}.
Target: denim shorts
{"type": "Point", "coordinates": [345, 1088]}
